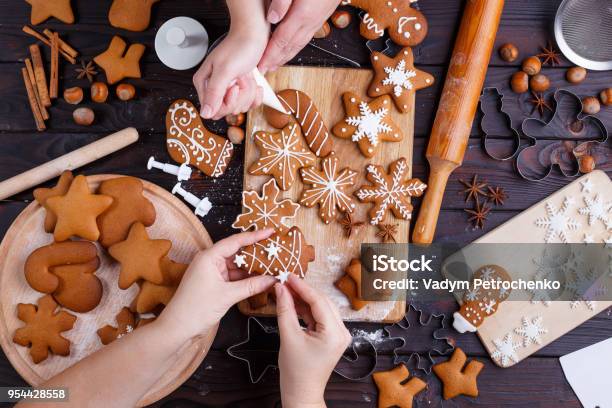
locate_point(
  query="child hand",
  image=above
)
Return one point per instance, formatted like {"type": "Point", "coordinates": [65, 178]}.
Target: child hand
{"type": "Point", "coordinates": [307, 357]}
{"type": "Point", "coordinates": [212, 285]}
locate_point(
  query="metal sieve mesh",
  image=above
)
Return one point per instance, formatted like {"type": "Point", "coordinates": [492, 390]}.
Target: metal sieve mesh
{"type": "Point", "coordinates": [583, 30]}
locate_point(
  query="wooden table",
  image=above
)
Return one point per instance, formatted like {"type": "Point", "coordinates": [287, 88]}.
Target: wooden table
{"type": "Point", "coordinates": [221, 380]}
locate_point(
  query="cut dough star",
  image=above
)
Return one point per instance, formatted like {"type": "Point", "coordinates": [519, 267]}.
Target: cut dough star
{"type": "Point", "coordinates": [45, 9]}
{"type": "Point", "coordinates": [505, 350]}
{"type": "Point", "coordinates": [557, 222]}
{"type": "Point", "coordinates": [239, 261]}
{"type": "Point", "coordinates": [586, 186]}
{"type": "Point", "coordinates": [596, 209]}
{"type": "Point", "coordinates": [531, 331]}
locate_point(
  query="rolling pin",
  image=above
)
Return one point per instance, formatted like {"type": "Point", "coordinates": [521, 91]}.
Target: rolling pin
{"type": "Point", "coordinates": [458, 103]}
{"type": "Point", "coordinates": [69, 161]}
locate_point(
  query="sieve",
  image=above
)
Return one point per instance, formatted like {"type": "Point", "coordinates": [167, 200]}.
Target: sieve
{"type": "Point", "coordinates": [583, 30]}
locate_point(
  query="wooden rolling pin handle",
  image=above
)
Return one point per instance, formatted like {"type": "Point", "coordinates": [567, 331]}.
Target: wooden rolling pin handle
{"type": "Point", "coordinates": [69, 161]}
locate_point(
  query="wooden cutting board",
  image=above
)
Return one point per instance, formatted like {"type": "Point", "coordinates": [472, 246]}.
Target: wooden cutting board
{"type": "Point", "coordinates": [557, 317]}
{"type": "Point", "coordinates": [333, 250]}
{"type": "Point", "coordinates": [174, 221]}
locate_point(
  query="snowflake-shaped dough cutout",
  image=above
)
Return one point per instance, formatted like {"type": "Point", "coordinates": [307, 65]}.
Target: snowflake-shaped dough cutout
{"type": "Point", "coordinates": [531, 331]}
{"type": "Point", "coordinates": [282, 154]}
{"type": "Point", "coordinates": [328, 188]}
{"type": "Point", "coordinates": [367, 124]}
{"type": "Point", "coordinates": [581, 282]}
{"type": "Point", "coordinates": [596, 209]}
{"type": "Point", "coordinates": [390, 191]}
{"type": "Point", "coordinates": [505, 350]}
{"type": "Point", "coordinates": [265, 210]}
{"type": "Point", "coordinates": [557, 222]}
{"type": "Point", "coordinates": [586, 186]}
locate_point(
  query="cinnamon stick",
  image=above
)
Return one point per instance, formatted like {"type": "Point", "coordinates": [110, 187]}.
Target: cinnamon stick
{"type": "Point", "coordinates": [64, 46]}
{"type": "Point", "coordinates": [40, 123]}
{"type": "Point", "coordinates": [54, 76]}
{"type": "Point", "coordinates": [43, 110]}
{"type": "Point", "coordinates": [39, 75]}
{"type": "Point", "coordinates": [30, 31]}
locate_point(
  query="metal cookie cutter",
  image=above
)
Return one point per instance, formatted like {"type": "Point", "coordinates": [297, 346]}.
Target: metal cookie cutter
{"type": "Point", "coordinates": [494, 112]}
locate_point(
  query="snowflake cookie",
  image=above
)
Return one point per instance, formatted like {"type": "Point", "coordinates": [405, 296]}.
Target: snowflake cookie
{"type": "Point", "coordinates": [282, 254]}
{"type": "Point", "coordinates": [265, 210]}
{"type": "Point", "coordinates": [531, 330]}
{"type": "Point", "coordinates": [557, 222]}
{"type": "Point", "coordinates": [398, 77]}
{"type": "Point", "coordinates": [367, 124]}
{"type": "Point", "coordinates": [390, 191]}
{"type": "Point", "coordinates": [282, 154]}
{"type": "Point", "coordinates": [505, 351]}
{"type": "Point", "coordinates": [328, 188]}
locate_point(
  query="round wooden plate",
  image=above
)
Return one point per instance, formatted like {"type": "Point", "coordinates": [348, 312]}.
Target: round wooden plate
{"type": "Point", "coordinates": [174, 221]}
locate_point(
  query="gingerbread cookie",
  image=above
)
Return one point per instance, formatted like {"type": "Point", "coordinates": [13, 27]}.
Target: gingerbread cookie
{"type": "Point", "coordinates": [282, 154]}
{"type": "Point", "coordinates": [42, 194]}
{"type": "Point", "coordinates": [456, 379]}
{"type": "Point", "coordinates": [43, 328]}
{"type": "Point", "coordinates": [133, 15]}
{"type": "Point", "coordinates": [188, 141]}
{"type": "Point", "coordinates": [140, 257]}
{"type": "Point", "coordinates": [126, 323]}
{"type": "Point", "coordinates": [367, 124]}
{"type": "Point", "coordinates": [79, 289]}
{"type": "Point", "coordinates": [350, 285]}
{"type": "Point", "coordinates": [265, 210]}
{"type": "Point", "coordinates": [406, 26]}
{"type": "Point", "coordinates": [42, 10]}
{"type": "Point", "coordinates": [129, 206]}
{"type": "Point", "coordinates": [151, 296]}
{"type": "Point", "coordinates": [398, 78]}
{"type": "Point", "coordinates": [119, 64]}
{"type": "Point", "coordinates": [394, 390]}
{"type": "Point", "coordinates": [280, 255]}
{"type": "Point", "coordinates": [390, 191]}
{"type": "Point", "coordinates": [261, 300]}
{"type": "Point", "coordinates": [144, 321]}
{"type": "Point", "coordinates": [328, 188]}
{"type": "Point", "coordinates": [77, 211]}
{"type": "Point", "coordinates": [309, 118]}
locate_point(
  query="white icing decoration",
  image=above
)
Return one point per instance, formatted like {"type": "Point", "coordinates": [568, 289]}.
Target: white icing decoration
{"type": "Point", "coordinates": [596, 209]}
{"type": "Point", "coordinates": [283, 276]}
{"type": "Point", "coordinates": [372, 25]}
{"type": "Point", "coordinates": [288, 258]}
{"type": "Point", "coordinates": [531, 331]}
{"type": "Point", "coordinates": [557, 222]}
{"type": "Point", "coordinates": [402, 22]}
{"type": "Point", "coordinates": [239, 260]}
{"type": "Point", "coordinates": [369, 124]}
{"type": "Point", "coordinates": [272, 250]}
{"type": "Point", "coordinates": [505, 350]}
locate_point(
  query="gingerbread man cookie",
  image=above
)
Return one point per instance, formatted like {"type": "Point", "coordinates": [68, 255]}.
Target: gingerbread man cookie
{"type": "Point", "coordinates": [456, 379]}
{"type": "Point", "coordinates": [133, 15]}
{"type": "Point", "coordinates": [390, 191]}
{"type": "Point", "coordinates": [126, 323]}
{"type": "Point", "coordinates": [43, 328]}
{"type": "Point", "coordinates": [140, 257]}
{"type": "Point", "coordinates": [394, 390]}
{"type": "Point", "coordinates": [129, 206]}
{"type": "Point", "coordinates": [42, 194]}
{"type": "Point", "coordinates": [77, 211]}
{"type": "Point", "coordinates": [42, 10]}
{"type": "Point", "coordinates": [398, 77]}
{"type": "Point", "coordinates": [367, 124]}
{"type": "Point", "coordinates": [350, 285]}
{"type": "Point", "coordinates": [282, 154]}
{"type": "Point", "coordinates": [282, 254]}
{"type": "Point", "coordinates": [328, 188]}
{"type": "Point", "coordinates": [406, 26]}
{"type": "Point", "coordinates": [188, 140]}
{"type": "Point", "coordinates": [119, 64]}
{"type": "Point", "coordinates": [151, 296]}
{"type": "Point", "coordinates": [265, 210]}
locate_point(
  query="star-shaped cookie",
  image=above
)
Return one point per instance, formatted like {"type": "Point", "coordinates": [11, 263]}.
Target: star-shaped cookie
{"type": "Point", "coordinates": [118, 66]}
{"type": "Point", "coordinates": [45, 9]}
{"type": "Point", "coordinates": [367, 124]}
{"type": "Point", "coordinates": [396, 387]}
{"type": "Point", "coordinates": [398, 78]}
{"type": "Point", "coordinates": [41, 195]}
{"type": "Point", "coordinates": [457, 377]}
{"type": "Point", "coordinates": [140, 257]}
{"type": "Point", "coordinates": [77, 211]}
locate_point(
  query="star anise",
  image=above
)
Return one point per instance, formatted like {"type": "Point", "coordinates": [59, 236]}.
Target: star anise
{"type": "Point", "coordinates": [87, 70]}
{"type": "Point", "coordinates": [348, 225]}
{"type": "Point", "coordinates": [539, 103]}
{"type": "Point", "coordinates": [387, 232]}
{"type": "Point", "coordinates": [497, 195]}
{"type": "Point", "coordinates": [478, 215]}
{"type": "Point", "coordinates": [474, 189]}
{"type": "Point", "coordinates": [549, 55]}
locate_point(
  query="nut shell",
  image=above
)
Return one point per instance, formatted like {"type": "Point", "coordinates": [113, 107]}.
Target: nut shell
{"type": "Point", "coordinates": [590, 105]}
{"type": "Point", "coordinates": [519, 82]}
{"type": "Point", "coordinates": [539, 83]}
{"type": "Point", "coordinates": [235, 134]}
{"type": "Point", "coordinates": [586, 164]}
{"type": "Point", "coordinates": [341, 18]}
{"type": "Point", "coordinates": [235, 120]}
{"type": "Point", "coordinates": [323, 32]}
{"type": "Point", "coordinates": [83, 116]}
{"type": "Point", "coordinates": [576, 75]}
{"type": "Point", "coordinates": [74, 95]}
{"type": "Point", "coordinates": [125, 92]}
{"type": "Point", "coordinates": [99, 92]}
{"type": "Point", "coordinates": [606, 96]}
{"type": "Point", "coordinates": [532, 65]}
{"type": "Point", "coordinates": [508, 52]}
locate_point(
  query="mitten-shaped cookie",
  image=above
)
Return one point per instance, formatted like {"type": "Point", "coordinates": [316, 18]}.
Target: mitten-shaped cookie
{"type": "Point", "coordinates": [119, 64]}
{"type": "Point", "coordinates": [133, 15]}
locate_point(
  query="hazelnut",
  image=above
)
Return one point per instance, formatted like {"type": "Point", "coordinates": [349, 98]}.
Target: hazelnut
{"type": "Point", "coordinates": [508, 52]}
{"type": "Point", "coordinates": [83, 116]}
{"type": "Point", "coordinates": [125, 92]}
{"type": "Point", "coordinates": [586, 164]}
{"type": "Point", "coordinates": [323, 32]}
{"type": "Point", "coordinates": [539, 83]}
{"type": "Point", "coordinates": [606, 96]}
{"type": "Point", "coordinates": [99, 92]}
{"type": "Point", "coordinates": [341, 18]}
{"type": "Point", "coordinates": [519, 82]}
{"type": "Point", "coordinates": [235, 120]}
{"type": "Point", "coordinates": [532, 65]}
{"type": "Point", "coordinates": [590, 105]}
{"type": "Point", "coordinates": [74, 95]}
{"type": "Point", "coordinates": [235, 134]}
{"type": "Point", "coordinates": [575, 75]}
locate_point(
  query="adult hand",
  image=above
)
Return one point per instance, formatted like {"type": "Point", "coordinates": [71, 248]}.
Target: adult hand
{"type": "Point", "coordinates": [212, 285]}
{"type": "Point", "coordinates": [307, 356]}
{"type": "Point", "coordinates": [302, 19]}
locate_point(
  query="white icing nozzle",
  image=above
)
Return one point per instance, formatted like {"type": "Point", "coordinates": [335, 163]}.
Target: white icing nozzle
{"type": "Point", "coordinates": [202, 206]}
{"type": "Point", "coordinates": [182, 172]}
